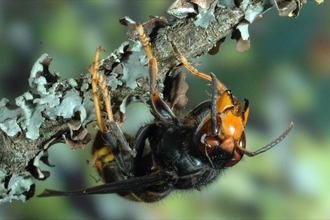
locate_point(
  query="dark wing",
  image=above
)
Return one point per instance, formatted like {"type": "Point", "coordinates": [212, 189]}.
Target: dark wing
{"type": "Point", "coordinates": [129, 185]}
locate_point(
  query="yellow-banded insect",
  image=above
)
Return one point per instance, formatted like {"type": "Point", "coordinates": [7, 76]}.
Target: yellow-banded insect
{"type": "Point", "coordinates": [186, 152]}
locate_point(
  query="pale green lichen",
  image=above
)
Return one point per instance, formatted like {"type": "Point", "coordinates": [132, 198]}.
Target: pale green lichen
{"type": "Point", "coordinates": [36, 68]}
{"type": "Point", "coordinates": [19, 187]}
{"type": "Point", "coordinates": [136, 67]}
{"type": "Point", "coordinates": [9, 123]}
{"type": "Point", "coordinates": [69, 102]}
{"type": "Point", "coordinates": [226, 3]}
{"type": "Point", "coordinates": [72, 82]}
{"type": "Point", "coordinates": [205, 17]}
{"type": "Point", "coordinates": [243, 27]}
{"type": "Point", "coordinates": [44, 100]}
{"type": "Point", "coordinates": [181, 9]}
{"type": "Point", "coordinates": [254, 10]}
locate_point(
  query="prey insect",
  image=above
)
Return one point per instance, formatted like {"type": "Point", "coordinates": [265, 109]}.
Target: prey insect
{"type": "Point", "coordinates": [171, 152]}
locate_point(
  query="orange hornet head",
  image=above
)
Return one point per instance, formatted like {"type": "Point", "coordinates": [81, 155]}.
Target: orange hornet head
{"type": "Point", "coordinates": [223, 141]}
{"type": "Point", "coordinates": [221, 136]}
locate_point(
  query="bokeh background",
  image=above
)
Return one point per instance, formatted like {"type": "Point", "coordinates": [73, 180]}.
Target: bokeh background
{"type": "Point", "coordinates": [285, 75]}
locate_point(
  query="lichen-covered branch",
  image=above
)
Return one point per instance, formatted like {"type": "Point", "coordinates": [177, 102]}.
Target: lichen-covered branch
{"type": "Point", "coordinates": [58, 110]}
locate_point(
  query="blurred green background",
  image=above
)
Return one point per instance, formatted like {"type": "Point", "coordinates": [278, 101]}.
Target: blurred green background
{"type": "Point", "coordinates": [285, 75]}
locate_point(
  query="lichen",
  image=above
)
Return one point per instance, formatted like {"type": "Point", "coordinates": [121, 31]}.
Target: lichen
{"type": "Point", "coordinates": [15, 187]}
{"type": "Point", "coordinates": [44, 100]}
{"type": "Point", "coordinates": [181, 9]}
{"type": "Point", "coordinates": [205, 17]}
{"type": "Point", "coordinates": [136, 67]}
{"type": "Point", "coordinates": [255, 9]}
{"type": "Point", "coordinates": [226, 4]}
{"type": "Point", "coordinates": [8, 123]}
